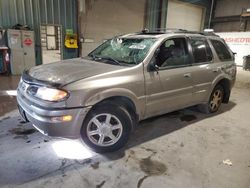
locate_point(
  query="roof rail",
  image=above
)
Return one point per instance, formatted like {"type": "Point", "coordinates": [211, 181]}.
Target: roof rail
{"type": "Point", "coordinates": [161, 30]}
{"type": "Point", "coordinates": [175, 30]}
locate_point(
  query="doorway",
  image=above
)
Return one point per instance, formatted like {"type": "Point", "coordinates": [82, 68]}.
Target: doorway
{"type": "Point", "coordinates": [188, 16]}
{"type": "Point", "coordinates": [51, 43]}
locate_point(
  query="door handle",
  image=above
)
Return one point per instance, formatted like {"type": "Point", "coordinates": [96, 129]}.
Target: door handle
{"type": "Point", "coordinates": [187, 75]}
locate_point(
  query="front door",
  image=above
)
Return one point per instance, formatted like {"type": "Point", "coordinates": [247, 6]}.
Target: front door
{"type": "Point", "coordinates": [170, 87]}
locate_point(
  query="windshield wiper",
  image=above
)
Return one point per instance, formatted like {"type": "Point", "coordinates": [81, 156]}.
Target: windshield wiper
{"type": "Point", "coordinates": [92, 56]}
{"type": "Point", "coordinates": [110, 59]}
{"type": "Point", "coordinates": [104, 58]}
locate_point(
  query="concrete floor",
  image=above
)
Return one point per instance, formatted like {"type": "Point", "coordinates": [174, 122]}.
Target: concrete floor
{"type": "Point", "coordinates": [180, 149]}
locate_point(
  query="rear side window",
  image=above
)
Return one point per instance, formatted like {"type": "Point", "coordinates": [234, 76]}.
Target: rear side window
{"type": "Point", "coordinates": [221, 50]}
{"type": "Point", "coordinates": [201, 50]}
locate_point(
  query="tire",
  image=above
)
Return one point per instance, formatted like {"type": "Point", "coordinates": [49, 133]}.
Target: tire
{"type": "Point", "coordinates": [106, 128]}
{"type": "Point", "coordinates": [214, 102]}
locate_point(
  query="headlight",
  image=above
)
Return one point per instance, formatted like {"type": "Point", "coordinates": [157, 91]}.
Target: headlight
{"type": "Point", "coordinates": [48, 94]}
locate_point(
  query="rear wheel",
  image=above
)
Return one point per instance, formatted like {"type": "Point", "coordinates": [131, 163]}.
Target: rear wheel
{"type": "Point", "coordinates": [215, 100]}
{"type": "Point", "coordinates": [106, 128]}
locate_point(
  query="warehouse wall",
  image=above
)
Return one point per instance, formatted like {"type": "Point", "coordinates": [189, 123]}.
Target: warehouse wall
{"type": "Point", "coordinates": [185, 15]}
{"type": "Point", "coordinates": [104, 19]}
{"type": "Point", "coordinates": [227, 15]}
{"type": "Point", "coordinates": [37, 12]}
{"type": "Point", "coordinates": [100, 19]}
{"type": "Point", "coordinates": [229, 7]}
{"type": "Point", "coordinates": [226, 26]}
{"type": "Point", "coordinates": [206, 4]}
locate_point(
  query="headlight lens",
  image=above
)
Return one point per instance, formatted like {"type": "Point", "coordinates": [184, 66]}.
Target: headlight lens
{"type": "Point", "coordinates": [48, 94]}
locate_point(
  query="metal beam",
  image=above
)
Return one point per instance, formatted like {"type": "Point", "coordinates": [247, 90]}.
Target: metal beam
{"type": "Point", "coordinates": [235, 18]}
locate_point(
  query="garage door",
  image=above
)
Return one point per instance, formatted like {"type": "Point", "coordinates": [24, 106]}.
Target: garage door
{"type": "Point", "coordinates": [184, 16]}
{"type": "Point", "coordinates": [104, 19]}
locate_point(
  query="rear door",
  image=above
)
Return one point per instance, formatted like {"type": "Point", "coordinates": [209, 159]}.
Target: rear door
{"type": "Point", "coordinates": [226, 63]}
{"type": "Point", "coordinates": [204, 70]}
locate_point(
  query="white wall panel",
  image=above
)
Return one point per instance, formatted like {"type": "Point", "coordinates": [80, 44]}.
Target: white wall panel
{"type": "Point", "coordinates": [184, 16]}
{"type": "Point", "coordinates": [238, 42]}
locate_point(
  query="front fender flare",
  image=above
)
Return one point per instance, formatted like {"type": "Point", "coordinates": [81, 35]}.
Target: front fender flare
{"type": "Point", "coordinates": [117, 92]}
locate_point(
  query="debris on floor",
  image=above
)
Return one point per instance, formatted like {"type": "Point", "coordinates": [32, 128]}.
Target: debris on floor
{"type": "Point", "coordinates": [227, 162]}
{"type": "Point", "coordinates": [95, 165]}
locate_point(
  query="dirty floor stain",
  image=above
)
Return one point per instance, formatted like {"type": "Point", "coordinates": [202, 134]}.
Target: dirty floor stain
{"type": "Point", "coordinates": [101, 184]}
{"type": "Point", "coordinates": [22, 131]}
{"type": "Point", "coordinates": [140, 181]}
{"type": "Point", "coordinates": [25, 137]}
{"type": "Point", "coordinates": [22, 122]}
{"type": "Point", "coordinates": [152, 167]}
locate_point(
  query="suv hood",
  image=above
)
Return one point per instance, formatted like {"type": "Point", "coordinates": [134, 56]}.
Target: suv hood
{"type": "Point", "coordinates": [68, 71]}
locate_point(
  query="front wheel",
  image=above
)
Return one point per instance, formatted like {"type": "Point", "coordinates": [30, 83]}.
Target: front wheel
{"type": "Point", "coordinates": [106, 128]}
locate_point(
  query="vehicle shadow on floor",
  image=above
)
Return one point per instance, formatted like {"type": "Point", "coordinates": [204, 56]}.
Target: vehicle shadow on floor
{"type": "Point", "coordinates": [156, 127]}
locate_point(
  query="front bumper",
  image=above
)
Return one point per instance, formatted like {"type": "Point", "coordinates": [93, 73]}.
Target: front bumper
{"type": "Point", "coordinates": [42, 119]}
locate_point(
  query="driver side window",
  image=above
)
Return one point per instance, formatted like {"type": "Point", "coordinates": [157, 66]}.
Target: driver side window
{"type": "Point", "coordinates": [173, 53]}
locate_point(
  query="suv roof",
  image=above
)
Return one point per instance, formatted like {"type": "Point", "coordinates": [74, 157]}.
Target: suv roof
{"type": "Point", "coordinates": [169, 31]}
{"type": "Point", "coordinates": [158, 32]}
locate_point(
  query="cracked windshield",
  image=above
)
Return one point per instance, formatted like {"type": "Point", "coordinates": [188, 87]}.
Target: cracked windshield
{"type": "Point", "coordinates": [123, 50]}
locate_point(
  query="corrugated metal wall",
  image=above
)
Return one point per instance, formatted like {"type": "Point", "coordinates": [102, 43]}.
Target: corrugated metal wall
{"type": "Point", "coordinates": [37, 12]}
{"type": "Point", "coordinates": [152, 14]}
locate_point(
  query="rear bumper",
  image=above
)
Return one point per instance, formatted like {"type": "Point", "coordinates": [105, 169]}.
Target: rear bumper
{"type": "Point", "coordinates": [42, 119]}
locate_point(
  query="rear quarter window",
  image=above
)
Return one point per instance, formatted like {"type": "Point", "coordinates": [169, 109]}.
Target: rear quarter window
{"type": "Point", "coordinates": [221, 50]}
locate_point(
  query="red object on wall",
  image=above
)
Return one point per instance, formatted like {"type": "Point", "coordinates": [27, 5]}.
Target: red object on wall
{"type": "Point", "coordinates": [27, 41]}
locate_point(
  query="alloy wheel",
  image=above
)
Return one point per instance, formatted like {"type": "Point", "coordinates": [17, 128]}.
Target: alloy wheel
{"type": "Point", "coordinates": [216, 100]}
{"type": "Point", "coordinates": [104, 129]}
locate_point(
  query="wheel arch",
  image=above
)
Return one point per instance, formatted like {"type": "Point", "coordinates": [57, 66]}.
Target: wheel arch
{"type": "Point", "coordinates": [125, 102]}
{"type": "Point", "coordinates": [119, 97]}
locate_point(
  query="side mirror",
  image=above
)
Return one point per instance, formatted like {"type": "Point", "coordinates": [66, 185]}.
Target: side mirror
{"type": "Point", "coordinates": [153, 67]}
{"type": "Point", "coordinates": [157, 51]}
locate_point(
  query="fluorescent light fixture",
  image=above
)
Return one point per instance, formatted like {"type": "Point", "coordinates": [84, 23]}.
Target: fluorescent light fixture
{"type": "Point", "coordinates": [71, 149]}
